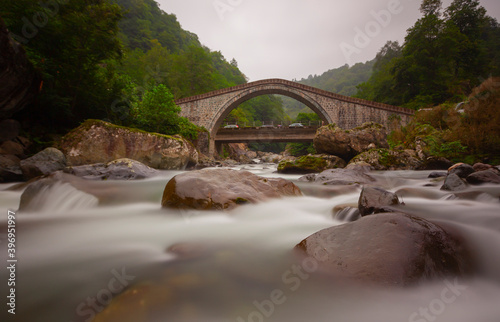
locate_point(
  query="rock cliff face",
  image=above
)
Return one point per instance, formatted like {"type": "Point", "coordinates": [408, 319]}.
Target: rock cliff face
{"type": "Point", "coordinates": [102, 142]}
{"type": "Point", "coordinates": [349, 143]}
{"type": "Point", "coordinates": [19, 83]}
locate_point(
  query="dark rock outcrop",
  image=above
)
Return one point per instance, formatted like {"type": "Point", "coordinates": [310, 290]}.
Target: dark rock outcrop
{"type": "Point", "coordinates": [349, 143]}
{"type": "Point", "coordinates": [19, 83]}
{"type": "Point", "coordinates": [223, 189]}
{"type": "Point", "coordinates": [102, 142]}
{"type": "Point", "coordinates": [45, 162]}
{"type": "Point", "coordinates": [375, 200]}
{"type": "Point", "coordinates": [122, 169]}
{"type": "Point", "coordinates": [389, 249]}
{"type": "Point", "coordinates": [339, 177]}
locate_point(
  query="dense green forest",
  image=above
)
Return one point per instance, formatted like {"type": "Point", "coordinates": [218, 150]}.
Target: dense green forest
{"type": "Point", "coordinates": [445, 55]}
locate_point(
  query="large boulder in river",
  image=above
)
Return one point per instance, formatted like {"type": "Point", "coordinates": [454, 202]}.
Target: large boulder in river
{"type": "Point", "coordinates": [311, 164]}
{"type": "Point", "coordinates": [122, 169]}
{"type": "Point", "coordinates": [374, 200]}
{"type": "Point", "coordinates": [102, 142]}
{"type": "Point", "coordinates": [223, 189]}
{"type": "Point", "coordinates": [389, 249]}
{"type": "Point", "coordinates": [339, 177]}
{"type": "Point", "coordinates": [19, 82]}
{"type": "Point", "coordinates": [347, 144]}
{"type": "Point", "coordinates": [45, 162]}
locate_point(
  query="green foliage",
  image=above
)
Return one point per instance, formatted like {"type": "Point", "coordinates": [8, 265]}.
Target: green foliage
{"type": "Point", "coordinates": [71, 51]}
{"type": "Point", "coordinates": [312, 119]}
{"type": "Point", "coordinates": [440, 148]}
{"type": "Point", "coordinates": [442, 59]}
{"type": "Point", "coordinates": [265, 109]}
{"type": "Point", "coordinates": [157, 112]}
{"type": "Point", "coordinates": [300, 149]}
{"type": "Point", "coordinates": [474, 135]}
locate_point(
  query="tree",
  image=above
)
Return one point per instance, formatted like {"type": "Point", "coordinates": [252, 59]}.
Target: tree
{"type": "Point", "coordinates": [431, 7]}
{"type": "Point", "coordinates": [157, 111]}
{"type": "Point", "coordinates": [71, 44]}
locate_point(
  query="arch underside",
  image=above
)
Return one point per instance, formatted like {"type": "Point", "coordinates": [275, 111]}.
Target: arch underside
{"type": "Point", "coordinates": [248, 94]}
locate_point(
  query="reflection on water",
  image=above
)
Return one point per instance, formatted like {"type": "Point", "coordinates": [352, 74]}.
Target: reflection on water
{"type": "Point", "coordinates": [167, 265]}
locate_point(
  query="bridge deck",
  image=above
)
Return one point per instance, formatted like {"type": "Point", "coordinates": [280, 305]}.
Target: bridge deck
{"type": "Point", "coordinates": [249, 135]}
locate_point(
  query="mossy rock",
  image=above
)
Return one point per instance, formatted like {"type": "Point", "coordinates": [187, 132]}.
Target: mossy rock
{"type": "Point", "coordinates": [303, 165]}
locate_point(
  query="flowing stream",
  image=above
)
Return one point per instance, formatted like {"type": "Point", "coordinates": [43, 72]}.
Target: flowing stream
{"type": "Point", "coordinates": [125, 256]}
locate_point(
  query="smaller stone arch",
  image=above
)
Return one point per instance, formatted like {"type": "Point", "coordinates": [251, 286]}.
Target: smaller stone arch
{"type": "Point", "coordinates": [268, 89]}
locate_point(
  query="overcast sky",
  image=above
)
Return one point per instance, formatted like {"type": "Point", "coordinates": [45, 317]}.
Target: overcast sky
{"type": "Point", "coordinates": [292, 39]}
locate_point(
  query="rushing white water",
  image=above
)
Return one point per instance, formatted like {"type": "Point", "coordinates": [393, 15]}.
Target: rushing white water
{"type": "Point", "coordinates": [73, 245]}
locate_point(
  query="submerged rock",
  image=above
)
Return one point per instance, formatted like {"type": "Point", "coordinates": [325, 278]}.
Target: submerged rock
{"type": "Point", "coordinates": [122, 169]}
{"type": "Point", "coordinates": [375, 200]}
{"type": "Point", "coordinates": [45, 162]}
{"type": "Point", "coordinates": [223, 189]}
{"type": "Point", "coordinates": [102, 142]}
{"type": "Point", "coordinates": [349, 143]}
{"type": "Point", "coordinates": [339, 177]}
{"type": "Point", "coordinates": [390, 249]}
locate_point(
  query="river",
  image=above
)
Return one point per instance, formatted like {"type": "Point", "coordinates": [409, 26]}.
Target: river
{"type": "Point", "coordinates": [76, 254]}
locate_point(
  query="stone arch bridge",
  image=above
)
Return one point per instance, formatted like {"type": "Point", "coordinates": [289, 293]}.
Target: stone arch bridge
{"type": "Point", "coordinates": [209, 110]}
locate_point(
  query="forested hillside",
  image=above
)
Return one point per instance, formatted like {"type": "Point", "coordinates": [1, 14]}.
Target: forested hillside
{"type": "Point", "coordinates": [445, 55]}
{"type": "Point", "coordinates": [343, 80]}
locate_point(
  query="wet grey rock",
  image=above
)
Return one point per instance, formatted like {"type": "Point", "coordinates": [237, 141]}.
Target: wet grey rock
{"type": "Point", "coordinates": [453, 183]}
{"type": "Point", "coordinates": [45, 162]}
{"type": "Point", "coordinates": [389, 249]}
{"type": "Point", "coordinates": [486, 176]}
{"type": "Point", "coordinates": [462, 170]}
{"type": "Point", "coordinates": [375, 200]}
{"type": "Point", "coordinates": [122, 169]}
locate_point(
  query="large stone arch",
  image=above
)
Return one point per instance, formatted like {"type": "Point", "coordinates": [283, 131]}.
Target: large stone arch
{"type": "Point", "coordinates": [270, 89]}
